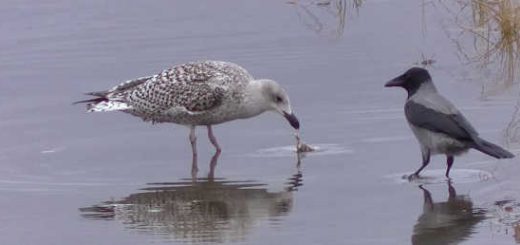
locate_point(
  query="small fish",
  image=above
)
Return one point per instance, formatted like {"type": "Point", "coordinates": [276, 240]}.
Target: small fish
{"type": "Point", "coordinates": [301, 146]}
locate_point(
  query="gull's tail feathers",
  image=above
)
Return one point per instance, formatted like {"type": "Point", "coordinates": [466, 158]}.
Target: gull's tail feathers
{"type": "Point", "coordinates": [102, 103]}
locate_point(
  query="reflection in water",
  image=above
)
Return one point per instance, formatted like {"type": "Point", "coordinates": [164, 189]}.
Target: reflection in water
{"type": "Point", "coordinates": [449, 222]}
{"type": "Point", "coordinates": [325, 17]}
{"type": "Point", "coordinates": [493, 27]}
{"type": "Point", "coordinates": [488, 35]}
{"type": "Point", "coordinates": [517, 233]}
{"type": "Point", "coordinates": [512, 131]}
{"type": "Point", "coordinates": [201, 209]}
{"type": "Point", "coordinates": [506, 213]}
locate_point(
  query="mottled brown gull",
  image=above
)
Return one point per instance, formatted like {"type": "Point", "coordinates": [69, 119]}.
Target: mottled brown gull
{"type": "Point", "coordinates": [196, 94]}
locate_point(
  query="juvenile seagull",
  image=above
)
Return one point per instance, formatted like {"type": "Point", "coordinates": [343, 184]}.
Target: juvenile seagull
{"type": "Point", "coordinates": [438, 126]}
{"type": "Point", "coordinates": [196, 94]}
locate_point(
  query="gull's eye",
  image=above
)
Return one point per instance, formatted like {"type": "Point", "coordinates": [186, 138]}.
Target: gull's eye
{"type": "Point", "coordinates": [278, 99]}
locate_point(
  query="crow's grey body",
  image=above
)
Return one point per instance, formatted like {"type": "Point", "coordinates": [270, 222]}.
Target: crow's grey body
{"type": "Point", "coordinates": [438, 126]}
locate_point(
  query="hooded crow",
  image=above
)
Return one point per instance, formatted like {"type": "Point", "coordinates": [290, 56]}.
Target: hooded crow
{"type": "Point", "coordinates": [438, 126]}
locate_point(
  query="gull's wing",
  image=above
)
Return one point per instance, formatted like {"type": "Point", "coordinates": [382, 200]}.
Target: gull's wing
{"type": "Point", "coordinates": [157, 97]}
{"type": "Point", "coordinates": [193, 87]}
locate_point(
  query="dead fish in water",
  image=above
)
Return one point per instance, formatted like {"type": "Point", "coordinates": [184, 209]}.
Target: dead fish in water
{"type": "Point", "coordinates": [301, 146]}
{"type": "Point", "coordinates": [305, 148]}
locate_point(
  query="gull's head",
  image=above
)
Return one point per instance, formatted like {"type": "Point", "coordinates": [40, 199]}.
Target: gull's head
{"type": "Point", "coordinates": [278, 100]}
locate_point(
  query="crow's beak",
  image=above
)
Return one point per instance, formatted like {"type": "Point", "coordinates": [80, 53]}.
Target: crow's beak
{"type": "Point", "coordinates": [396, 82]}
{"type": "Point", "coordinates": [292, 120]}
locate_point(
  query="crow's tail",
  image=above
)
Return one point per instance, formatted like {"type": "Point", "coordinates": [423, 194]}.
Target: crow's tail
{"type": "Point", "coordinates": [491, 149]}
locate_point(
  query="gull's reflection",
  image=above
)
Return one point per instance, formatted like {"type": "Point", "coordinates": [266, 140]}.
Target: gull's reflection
{"type": "Point", "coordinates": [201, 209]}
{"type": "Point", "coordinates": [449, 222]}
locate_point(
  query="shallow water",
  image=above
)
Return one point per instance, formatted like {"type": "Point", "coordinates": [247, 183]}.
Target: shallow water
{"type": "Point", "coordinates": [69, 177]}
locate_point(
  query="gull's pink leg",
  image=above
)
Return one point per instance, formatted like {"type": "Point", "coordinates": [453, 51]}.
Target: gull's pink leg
{"type": "Point", "coordinates": [193, 141]}
{"type": "Point", "coordinates": [213, 140]}
{"type": "Point", "coordinates": [212, 165]}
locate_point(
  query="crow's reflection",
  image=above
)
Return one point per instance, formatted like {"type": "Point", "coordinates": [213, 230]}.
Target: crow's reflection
{"type": "Point", "coordinates": [199, 210]}
{"type": "Point", "coordinates": [449, 222]}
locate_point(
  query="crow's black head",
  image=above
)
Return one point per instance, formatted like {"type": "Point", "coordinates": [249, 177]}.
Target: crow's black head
{"type": "Point", "coordinates": [411, 80]}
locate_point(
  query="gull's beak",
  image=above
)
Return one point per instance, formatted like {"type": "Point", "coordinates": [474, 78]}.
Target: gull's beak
{"type": "Point", "coordinates": [396, 82]}
{"type": "Point", "coordinates": [292, 120]}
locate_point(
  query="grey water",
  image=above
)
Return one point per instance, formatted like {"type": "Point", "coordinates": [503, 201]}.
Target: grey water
{"type": "Point", "coordinates": [71, 177]}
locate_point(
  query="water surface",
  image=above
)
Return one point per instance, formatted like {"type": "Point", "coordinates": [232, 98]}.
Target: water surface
{"type": "Point", "coordinates": [69, 177]}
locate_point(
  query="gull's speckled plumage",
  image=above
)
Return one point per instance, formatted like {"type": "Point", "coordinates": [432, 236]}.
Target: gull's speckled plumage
{"type": "Point", "coordinates": [196, 93]}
